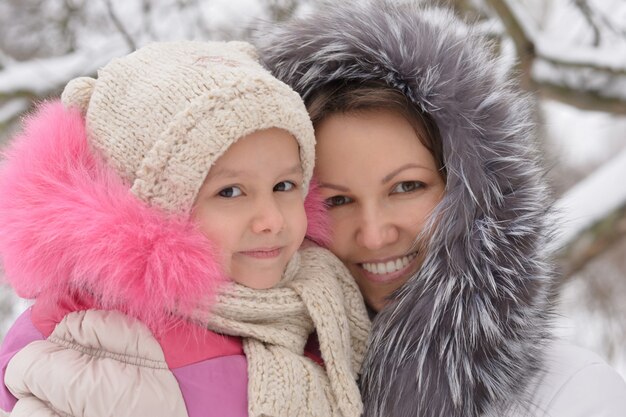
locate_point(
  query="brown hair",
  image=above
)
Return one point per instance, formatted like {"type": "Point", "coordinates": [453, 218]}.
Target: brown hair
{"type": "Point", "coordinates": [342, 97]}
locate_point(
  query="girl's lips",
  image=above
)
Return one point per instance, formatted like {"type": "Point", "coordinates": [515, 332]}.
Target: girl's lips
{"type": "Point", "coordinates": [262, 253]}
{"type": "Point", "coordinates": [399, 268]}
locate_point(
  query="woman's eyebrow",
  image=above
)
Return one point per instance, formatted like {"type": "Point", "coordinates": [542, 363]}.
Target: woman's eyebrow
{"type": "Point", "coordinates": [395, 172]}
{"type": "Point", "coordinates": [333, 186]}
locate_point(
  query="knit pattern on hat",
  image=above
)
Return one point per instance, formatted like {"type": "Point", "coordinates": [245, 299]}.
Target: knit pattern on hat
{"type": "Point", "coordinates": [164, 114]}
{"type": "Point", "coordinates": [316, 293]}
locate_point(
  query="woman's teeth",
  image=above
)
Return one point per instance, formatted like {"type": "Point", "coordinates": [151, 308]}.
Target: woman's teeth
{"type": "Point", "coordinates": [389, 266]}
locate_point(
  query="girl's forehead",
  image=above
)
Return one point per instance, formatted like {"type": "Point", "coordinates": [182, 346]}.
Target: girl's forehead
{"type": "Point", "coordinates": [259, 152]}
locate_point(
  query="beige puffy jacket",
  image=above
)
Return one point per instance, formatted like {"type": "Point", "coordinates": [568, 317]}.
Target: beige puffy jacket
{"type": "Point", "coordinates": [95, 364]}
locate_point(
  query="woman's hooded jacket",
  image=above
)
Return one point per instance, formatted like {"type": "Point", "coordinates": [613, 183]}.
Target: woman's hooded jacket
{"type": "Point", "coordinates": [467, 333]}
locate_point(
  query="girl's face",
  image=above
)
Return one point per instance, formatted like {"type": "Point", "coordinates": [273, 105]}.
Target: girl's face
{"type": "Point", "coordinates": [381, 184]}
{"type": "Point", "coordinates": [251, 206]}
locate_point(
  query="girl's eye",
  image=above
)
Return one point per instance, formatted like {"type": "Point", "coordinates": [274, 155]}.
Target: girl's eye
{"type": "Point", "coordinates": [284, 186]}
{"type": "Point", "coordinates": [230, 192]}
{"type": "Point", "coordinates": [337, 200]}
{"type": "Point", "coordinates": [406, 187]}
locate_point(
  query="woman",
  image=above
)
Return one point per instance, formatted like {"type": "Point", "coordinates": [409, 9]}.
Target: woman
{"type": "Point", "coordinates": [426, 158]}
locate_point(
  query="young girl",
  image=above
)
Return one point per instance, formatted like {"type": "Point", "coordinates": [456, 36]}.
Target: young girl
{"type": "Point", "coordinates": [120, 212]}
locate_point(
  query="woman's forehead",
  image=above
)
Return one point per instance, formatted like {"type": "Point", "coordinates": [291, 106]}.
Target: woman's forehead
{"type": "Point", "coordinates": [368, 141]}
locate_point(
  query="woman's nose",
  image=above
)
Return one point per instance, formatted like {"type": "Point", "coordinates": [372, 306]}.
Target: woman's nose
{"type": "Point", "coordinates": [268, 217]}
{"type": "Point", "coordinates": [375, 230]}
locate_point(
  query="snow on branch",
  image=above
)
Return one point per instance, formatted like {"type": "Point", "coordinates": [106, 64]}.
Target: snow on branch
{"type": "Point", "coordinates": [589, 205]}
{"type": "Point", "coordinates": [12, 109]}
{"type": "Point", "coordinates": [41, 77]}
{"type": "Point", "coordinates": [585, 77]}
{"type": "Point", "coordinates": [588, 202]}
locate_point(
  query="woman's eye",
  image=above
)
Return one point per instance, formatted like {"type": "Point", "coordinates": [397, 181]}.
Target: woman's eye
{"type": "Point", "coordinates": [337, 200]}
{"type": "Point", "coordinates": [285, 186]}
{"type": "Point", "coordinates": [230, 192]}
{"type": "Point", "coordinates": [406, 187]}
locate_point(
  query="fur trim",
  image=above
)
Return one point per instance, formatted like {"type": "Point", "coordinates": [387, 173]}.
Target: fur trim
{"type": "Point", "coordinates": [318, 227]}
{"type": "Point", "coordinates": [465, 335]}
{"type": "Point", "coordinates": [68, 223]}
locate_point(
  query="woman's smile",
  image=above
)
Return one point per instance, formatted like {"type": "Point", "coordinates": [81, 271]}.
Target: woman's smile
{"type": "Point", "coordinates": [388, 269]}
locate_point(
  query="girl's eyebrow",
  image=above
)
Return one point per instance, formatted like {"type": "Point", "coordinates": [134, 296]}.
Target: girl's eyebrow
{"type": "Point", "coordinates": [296, 169]}
{"type": "Point", "coordinates": [395, 172]}
{"type": "Point", "coordinates": [233, 173]}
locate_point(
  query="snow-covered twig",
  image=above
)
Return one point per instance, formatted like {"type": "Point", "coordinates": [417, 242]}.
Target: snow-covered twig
{"type": "Point", "coordinates": [132, 45]}
{"type": "Point", "coordinates": [41, 77]}
{"type": "Point", "coordinates": [587, 204]}
{"type": "Point", "coordinates": [583, 77]}
{"type": "Point", "coordinates": [12, 109]}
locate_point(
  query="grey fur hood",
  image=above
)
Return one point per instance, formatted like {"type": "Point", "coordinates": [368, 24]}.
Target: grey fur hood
{"type": "Point", "coordinates": [466, 335]}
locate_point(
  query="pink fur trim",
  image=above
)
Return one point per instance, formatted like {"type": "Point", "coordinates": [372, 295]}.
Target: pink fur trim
{"type": "Point", "coordinates": [68, 221]}
{"type": "Point", "coordinates": [318, 229]}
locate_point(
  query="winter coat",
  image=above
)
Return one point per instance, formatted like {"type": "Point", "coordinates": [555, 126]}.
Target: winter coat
{"type": "Point", "coordinates": [469, 335]}
{"type": "Point", "coordinates": [107, 271]}
{"type": "Point", "coordinates": [102, 363]}
{"type": "Point", "coordinates": [573, 382]}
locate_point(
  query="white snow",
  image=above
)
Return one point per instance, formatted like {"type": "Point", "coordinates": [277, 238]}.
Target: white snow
{"type": "Point", "coordinates": [611, 58]}
{"type": "Point", "coordinates": [565, 38]}
{"type": "Point", "coordinates": [598, 195]}
{"type": "Point", "coordinates": [41, 76]}
{"type": "Point", "coordinates": [587, 141]}
{"type": "Point", "coordinates": [13, 109]}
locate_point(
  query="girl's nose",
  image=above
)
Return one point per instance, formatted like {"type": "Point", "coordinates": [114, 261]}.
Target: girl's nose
{"type": "Point", "coordinates": [268, 217]}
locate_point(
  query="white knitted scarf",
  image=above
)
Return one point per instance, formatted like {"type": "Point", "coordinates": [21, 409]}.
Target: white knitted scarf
{"type": "Point", "coordinates": [318, 294]}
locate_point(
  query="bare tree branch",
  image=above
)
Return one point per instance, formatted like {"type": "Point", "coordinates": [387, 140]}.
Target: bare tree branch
{"type": "Point", "coordinates": [587, 13]}
{"type": "Point", "coordinates": [583, 100]}
{"type": "Point", "coordinates": [119, 26]}
{"type": "Point", "coordinates": [523, 44]}
{"type": "Point", "coordinates": [201, 21]}
{"type": "Point", "coordinates": [31, 95]}
{"type": "Point", "coordinates": [590, 13]}
{"type": "Point", "coordinates": [610, 25]}
{"type": "Point", "coordinates": [146, 9]}
{"type": "Point", "coordinates": [281, 9]}
{"type": "Point", "coordinates": [593, 242]}
{"type": "Point", "coordinates": [580, 96]}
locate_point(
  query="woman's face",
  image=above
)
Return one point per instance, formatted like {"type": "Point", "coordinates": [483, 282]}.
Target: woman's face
{"type": "Point", "coordinates": [382, 185]}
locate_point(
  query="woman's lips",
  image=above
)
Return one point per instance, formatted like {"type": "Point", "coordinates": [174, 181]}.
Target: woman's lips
{"type": "Point", "coordinates": [262, 253]}
{"type": "Point", "coordinates": [388, 270]}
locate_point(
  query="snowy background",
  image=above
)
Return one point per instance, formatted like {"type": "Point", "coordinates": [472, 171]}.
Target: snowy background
{"type": "Point", "coordinates": [571, 54]}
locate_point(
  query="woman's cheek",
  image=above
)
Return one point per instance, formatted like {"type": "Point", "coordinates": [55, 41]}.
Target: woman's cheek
{"type": "Point", "coordinates": [339, 236]}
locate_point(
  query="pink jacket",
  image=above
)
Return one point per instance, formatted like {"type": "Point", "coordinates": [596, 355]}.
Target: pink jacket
{"type": "Point", "coordinates": [211, 372]}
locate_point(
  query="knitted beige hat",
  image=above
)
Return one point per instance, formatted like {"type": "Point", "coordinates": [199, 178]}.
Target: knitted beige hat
{"type": "Point", "coordinates": [164, 114]}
